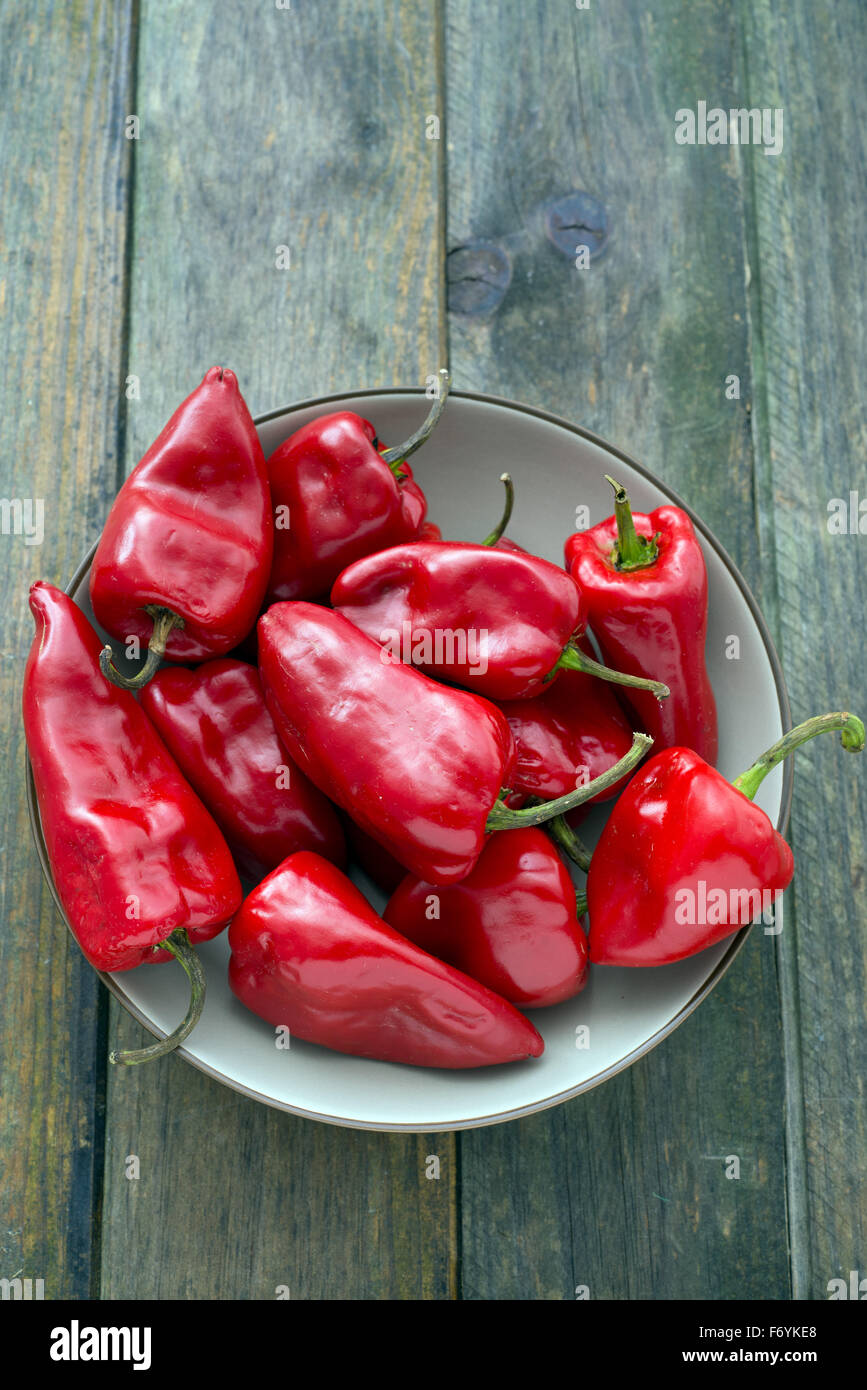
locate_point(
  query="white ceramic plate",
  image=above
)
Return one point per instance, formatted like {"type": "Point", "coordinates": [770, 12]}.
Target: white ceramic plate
{"type": "Point", "coordinates": [557, 468]}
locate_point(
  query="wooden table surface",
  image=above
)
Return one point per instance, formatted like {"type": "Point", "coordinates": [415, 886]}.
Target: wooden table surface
{"type": "Point", "coordinates": [130, 265]}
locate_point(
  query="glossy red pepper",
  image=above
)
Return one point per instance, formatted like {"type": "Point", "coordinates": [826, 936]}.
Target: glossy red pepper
{"type": "Point", "coordinates": [336, 497]}
{"type": "Point", "coordinates": [573, 732]}
{"type": "Point", "coordinates": [138, 863]}
{"type": "Point", "coordinates": [310, 954]}
{"type": "Point", "coordinates": [185, 555]}
{"type": "Point", "coordinates": [506, 543]}
{"type": "Point", "coordinates": [417, 765]}
{"type": "Point", "coordinates": [644, 582]}
{"type": "Point", "coordinates": [216, 725]}
{"type": "Point", "coordinates": [498, 621]}
{"type": "Point", "coordinates": [686, 858]}
{"type": "Point", "coordinates": [512, 924]}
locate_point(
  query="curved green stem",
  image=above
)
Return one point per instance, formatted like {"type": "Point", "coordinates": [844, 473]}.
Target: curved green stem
{"type": "Point", "coordinates": [506, 480]}
{"type": "Point", "coordinates": [632, 552]}
{"type": "Point", "coordinates": [179, 945]}
{"type": "Point", "coordinates": [395, 457]}
{"type": "Point", "coordinates": [165, 622]}
{"type": "Point", "coordinates": [580, 904]}
{"type": "Point", "coordinates": [563, 835]}
{"type": "Point", "coordinates": [572, 659]}
{"type": "Point", "coordinates": [851, 737]}
{"type": "Point", "coordinates": [502, 817]}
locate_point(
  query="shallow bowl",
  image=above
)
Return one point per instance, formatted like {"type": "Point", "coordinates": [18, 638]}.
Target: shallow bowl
{"type": "Point", "coordinates": [557, 468]}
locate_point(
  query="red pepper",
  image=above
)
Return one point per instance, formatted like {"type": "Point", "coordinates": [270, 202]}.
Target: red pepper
{"type": "Point", "coordinates": [506, 543]}
{"type": "Point", "coordinates": [186, 551]}
{"type": "Point", "coordinates": [139, 865]}
{"type": "Point", "coordinates": [498, 621]}
{"type": "Point", "coordinates": [417, 765]}
{"type": "Point", "coordinates": [310, 954]}
{"type": "Point", "coordinates": [336, 497]}
{"type": "Point", "coordinates": [216, 725]}
{"type": "Point", "coordinates": [644, 582]}
{"type": "Point", "coordinates": [512, 924]}
{"type": "Point", "coordinates": [686, 858]}
{"type": "Point", "coordinates": [413, 503]}
{"type": "Point", "coordinates": [574, 731]}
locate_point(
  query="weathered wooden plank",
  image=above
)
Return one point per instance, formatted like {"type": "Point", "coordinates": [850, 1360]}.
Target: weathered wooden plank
{"type": "Point", "coordinates": [808, 245]}
{"type": "Point", "coordinates": [238, 1201]}
{"type": "Point", "coordinates": [282, 129]}
{"type": "Point", "coordinates": [65, 75]}
{"type": "Point", "coordinates": [284, 132]}
{"type": "Point", "coordinates": [615, 1190]}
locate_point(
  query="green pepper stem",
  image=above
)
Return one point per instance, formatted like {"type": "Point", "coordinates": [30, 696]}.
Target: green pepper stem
{"type": "Point", "coordinates": [851, 737]}
{"type": "Point", "coordinates": [502, 817]}
{"type": "Point", "coordinates": [506, 480]}
{"type": "Point", "coordinates": [165, 622]}
{"type": "Point", "coordinates": [580, 904]}
{"type": "Point", "coordinates": [573, 659]}
{"type": "Point", "coordinates": [395, 457]}
{"type": "Point", "coordinates": [563, 835]}
{"type": "Point", "coordinates": [632, 552]}
{"type": "Point", "coordinates": [179, 945]}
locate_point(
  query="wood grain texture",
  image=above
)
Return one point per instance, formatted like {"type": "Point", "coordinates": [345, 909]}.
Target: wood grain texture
{"type": "Point", "coordinates": [282, 129]}
{"type": "Point", "coordinates": [615, 1191]}
{"type": "Point", "coordinates": [809, 247]}
{"type": "Point", "coordinates": [65, 75]}
{"type": "Point", "coordinates": [237, 1201]}
{"type": "Point", "coordinates": [277, 129]}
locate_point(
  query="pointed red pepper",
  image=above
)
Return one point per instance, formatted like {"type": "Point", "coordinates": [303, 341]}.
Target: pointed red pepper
{"type": "Point", "coordinates": [216, 725]}
{"type": "Point", "coordinates": [498, 621]}
{"type": "Point", "coordinates": [337, 496]}
{"type": "Point", "coordinates": [138, 863]}
{"type": "Point", "coordinates": [686, 858]}
{"type": "Point", "coordinates": [417, 765]}
{"type": "Point", "coordinates": [512, 924]}
{"type": "Point", "coordinates": [310, 954]}
{"type": "Point", "coordinates": [185, 555]}
{"type": "Point", "coordinates": [644, 583]}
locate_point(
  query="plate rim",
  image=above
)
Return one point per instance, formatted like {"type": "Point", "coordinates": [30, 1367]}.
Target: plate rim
{"type": "Point", "coordinates": [739, 940]}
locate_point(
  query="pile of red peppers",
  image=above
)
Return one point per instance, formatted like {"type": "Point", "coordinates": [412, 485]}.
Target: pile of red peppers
{"type": "Point", "coordinates": [431, 710]}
